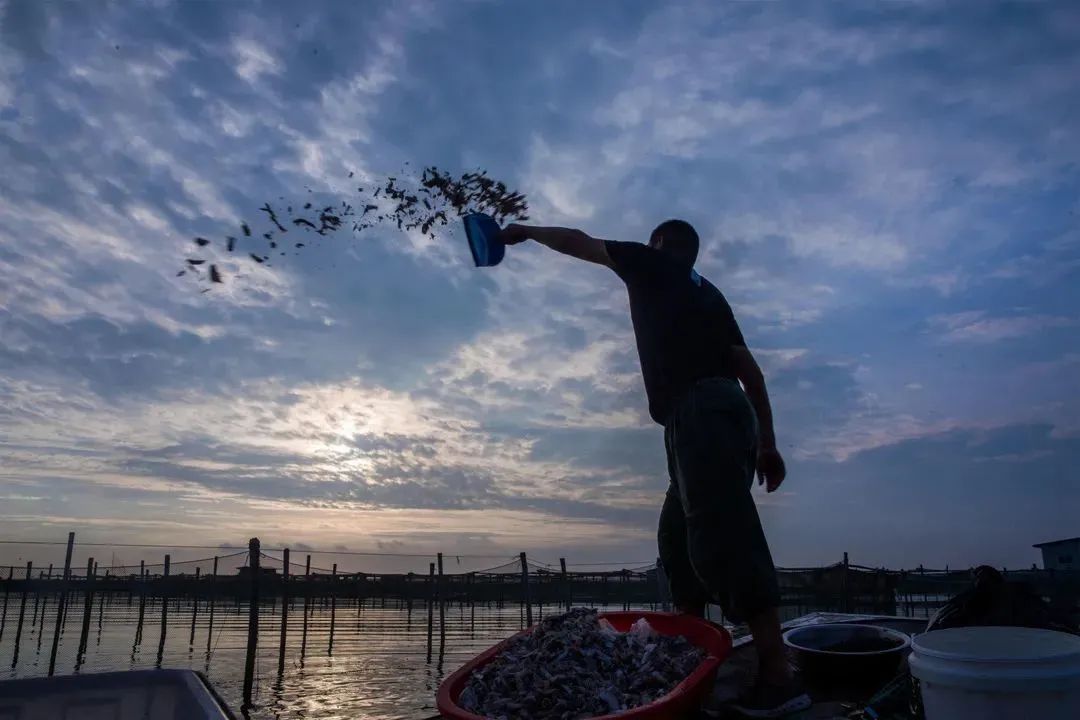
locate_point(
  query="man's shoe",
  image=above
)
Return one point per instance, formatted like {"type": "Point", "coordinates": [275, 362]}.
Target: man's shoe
{"type": "Point", "coordinates": [772, 701]}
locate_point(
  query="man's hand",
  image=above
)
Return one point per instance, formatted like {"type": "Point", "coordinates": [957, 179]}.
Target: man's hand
{"type": "Point", "coordinates": [770, 468]}
{"type": "Point", "coordinates": [513, 234]}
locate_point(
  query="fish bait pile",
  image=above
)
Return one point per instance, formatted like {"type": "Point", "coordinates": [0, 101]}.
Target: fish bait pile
{"type": "Point", "coordinates": [425, 203]}
{"type": "Point", "coordinates": [575, 666]}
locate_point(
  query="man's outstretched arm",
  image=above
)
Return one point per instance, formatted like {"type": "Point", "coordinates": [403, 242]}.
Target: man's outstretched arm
{"type": "Point", "coordinates": [574, 243]}
{"type": "Point", "coordinates": [770, 467]}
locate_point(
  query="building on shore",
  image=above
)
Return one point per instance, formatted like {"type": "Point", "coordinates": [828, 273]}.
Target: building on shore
{"type": "Point", "coordinates": [1061, 554]}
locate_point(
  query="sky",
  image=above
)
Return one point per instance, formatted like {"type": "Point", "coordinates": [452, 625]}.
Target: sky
{"type": "Point", "coordinates": [888, 194]}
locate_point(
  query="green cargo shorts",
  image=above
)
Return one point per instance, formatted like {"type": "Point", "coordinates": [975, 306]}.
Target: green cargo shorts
{"type": "Point", "coordinates": [711, 543]}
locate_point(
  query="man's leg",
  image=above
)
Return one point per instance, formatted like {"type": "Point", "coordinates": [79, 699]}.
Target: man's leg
{"type": "Point", "coordinates": [773, 667]}
{"type": "Point", "coordinates": [729, 553]}
{"type": "Point", "coordinates": [714, 435]}
{"type": "Point", "coordinates": [687, 595]}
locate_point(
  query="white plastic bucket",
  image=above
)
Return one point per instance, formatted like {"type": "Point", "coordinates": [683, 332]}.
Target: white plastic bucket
{"type": "Point", "coordinates": [997, 673]}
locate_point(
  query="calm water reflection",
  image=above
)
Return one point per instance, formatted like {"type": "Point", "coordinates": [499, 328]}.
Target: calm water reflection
{"type": "Point", "coordinates": [375, 667]}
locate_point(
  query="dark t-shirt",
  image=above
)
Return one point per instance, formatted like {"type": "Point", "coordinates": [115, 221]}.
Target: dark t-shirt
{"type": "Point", "coordinates": [684, 326]}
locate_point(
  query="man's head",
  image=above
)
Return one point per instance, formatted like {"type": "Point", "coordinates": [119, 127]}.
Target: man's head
{"type": "Point", "coordinates": [677, 238]}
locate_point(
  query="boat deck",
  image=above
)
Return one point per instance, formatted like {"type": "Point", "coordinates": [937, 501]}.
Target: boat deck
{"type": "Point", "coordinates": [834, 701]}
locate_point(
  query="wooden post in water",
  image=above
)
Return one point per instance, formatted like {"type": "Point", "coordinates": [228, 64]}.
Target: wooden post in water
{"type": "Point", "coordinates": [525, 591]}
{"type": "Point", "coordinates": [440, 592]}
{"type": "Point", "coordinates": [253, 620]}
{"type": "Point", "coordinates": [95, 576]}
{"type": "Point", "coordinates": [41, 620]}
{"type": "Point", "coordinates": [194, 609]}
{"type": "Point", "coordinates": [565, 582]}
{"type": "Point", "coordinates": [430, 607]}
{"type": "Point", "coordinates": [60, 604]}
{"type": "Point", "coordinates": [662, 585]}
{"type": "Point", "coordinates": [845, 587]}
{"type": "Point", "coordinates": [37, 602]}
{"type": "Point", "coordinates": [45, 604]}
{"type": "Point", "coordinates": [925, 599]}
{"type": "Point", "coordinates": [284, 610]}
{"type": "Point", "coordinates": [164, 611]}
{"type": "Point", "coordinates": [213, 596]}
{"type": "Point", "coordinates": [472, 604]}
{"type": "Point", "coordinates": [142, 600]}
{"type": "Point", "coordinates": [307, 593]}
{"type": "Point", "coordinates": [22, 614]}
{"type": "Point", "coordinates": [7, 590]}
{"type": "Point", "coordinates": [102, 597]}
{"type": "Point", "coordinates": [540, 588]}
{"type": "Point", "coordinates": [67, 610]}
{"type": "Point", "coordinates": [87, 609]}
{"type": "Point", "coordinates": [333, 608]}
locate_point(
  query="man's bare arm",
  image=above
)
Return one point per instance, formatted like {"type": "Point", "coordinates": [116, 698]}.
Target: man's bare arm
{"type": "Point", "coordinates": [574, 243]}
{"type": "Point", "coordinates": [753, 380]}
{"type": "Point", "coordinates": [771, 470]}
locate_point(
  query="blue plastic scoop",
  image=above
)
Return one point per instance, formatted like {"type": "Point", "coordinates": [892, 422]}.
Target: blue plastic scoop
{"type": "Point", "coordinates": [483, 234]}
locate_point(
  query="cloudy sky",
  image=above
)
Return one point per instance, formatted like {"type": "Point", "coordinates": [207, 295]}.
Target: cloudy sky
{"type": "Point", "coordinates": [887, 194]}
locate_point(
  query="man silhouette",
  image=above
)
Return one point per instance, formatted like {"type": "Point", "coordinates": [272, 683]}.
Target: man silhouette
{"type": "Point", "coordinates": [693, 359]}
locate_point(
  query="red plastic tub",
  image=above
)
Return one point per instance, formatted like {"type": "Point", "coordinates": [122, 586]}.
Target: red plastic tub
{"type": "Point", "coordinates": [685, 698]}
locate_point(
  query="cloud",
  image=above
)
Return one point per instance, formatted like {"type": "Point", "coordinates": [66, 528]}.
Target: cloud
{"type": "Point", "coordinates": [975, 327]}
{"type": "Point", "coordinates": [886, 197]}
{"type": "Point", "coordinates": [560, 179]}
{"type": "Point", "coordinates": [253, 60]}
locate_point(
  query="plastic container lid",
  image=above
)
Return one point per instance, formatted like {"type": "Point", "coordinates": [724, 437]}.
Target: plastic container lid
{"type": "Point", "coordinates": [998, 644]}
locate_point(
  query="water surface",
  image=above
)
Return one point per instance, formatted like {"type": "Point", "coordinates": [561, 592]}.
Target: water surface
{"type": "Point", "coordinates": [376, 666]}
